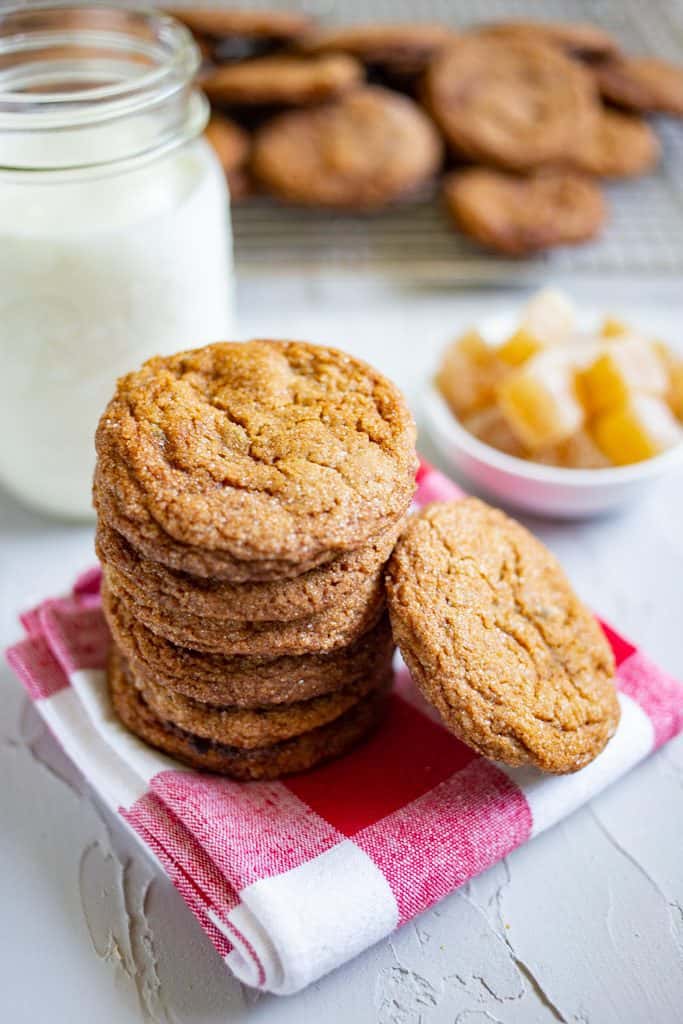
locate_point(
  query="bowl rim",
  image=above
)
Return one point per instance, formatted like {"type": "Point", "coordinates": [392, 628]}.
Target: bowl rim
{"type": "Point", "coordinates": [443, 421]}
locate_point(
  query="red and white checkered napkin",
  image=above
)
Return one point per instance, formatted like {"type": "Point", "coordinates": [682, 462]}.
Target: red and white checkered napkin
{"type": "Point", "coordinates": [291, 879]}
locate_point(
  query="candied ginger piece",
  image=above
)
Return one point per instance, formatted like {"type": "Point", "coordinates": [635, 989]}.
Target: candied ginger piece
{"type": "Point", "coordinates": [469, 373]}
{"type": "Point", "coordinates": [628, 365]}
{"type": "Point", "coordinates": [675, 390]}
{"type": "Point", "coordinates": [491, 427]}
{"type": "Point", "coordinates": [519, 347]}
{"type": "Point", "coordinates": [642, 427]}
{"type": "Point", "coordinates": [613, 328]}
{"type": "Point", "coordinates": [578, 452]}
{"type": "Point", "coordinates": [540, 403]}
{"type": "Point", "coordinates": [549, 316]}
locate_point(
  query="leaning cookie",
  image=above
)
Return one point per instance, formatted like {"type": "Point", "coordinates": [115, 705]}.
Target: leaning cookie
{"type": "Point", "coordinates": [371, 148]}
{"type": "Point", "coordinates": [247, 681]}
{"type": "Point", "coordinates": [497, 640]}
{"type": "Point", "coordinates": [254, 460]}
{"type": "Point", "coordinates": [298, 754]}
{"type": "Point", "coordinates": [281, 80]}
{"type": "Point", "coordinates": [519, 216]}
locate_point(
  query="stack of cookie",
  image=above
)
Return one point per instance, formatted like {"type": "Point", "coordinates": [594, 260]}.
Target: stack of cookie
{"type": "Point", "coordinates": [248, 498]}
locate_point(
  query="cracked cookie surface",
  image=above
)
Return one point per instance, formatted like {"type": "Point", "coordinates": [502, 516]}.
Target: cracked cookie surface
{"type": "Point", "coordinates": [497, 640]}
{"type": "Point", "coordinates": [254, 460]}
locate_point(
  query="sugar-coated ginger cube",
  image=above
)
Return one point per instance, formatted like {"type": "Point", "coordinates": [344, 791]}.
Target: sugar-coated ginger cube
{"type": "Point", "coordinates": [491, 427]}
{"type": "Point", "coordinates": [642, 427]}
{"type": "Point", "coordinates": [540, 403]}
{"type": "Point", "coordinates": [578, 452]}
{"type": "Point", "coordinates": [673, 364]}
{"type": "Point", "coordinates": [627, 366]}
{"type": "Point", "coordinates": [519, 347]}
{"type": "Point", "coordinates": [613, 328]}
{"type": "Point", "coordinates": [469, 373]}
{"type": "Point", "coordinates": [675, 390]}
{"type": "Point", "coordinates": [549, 316]}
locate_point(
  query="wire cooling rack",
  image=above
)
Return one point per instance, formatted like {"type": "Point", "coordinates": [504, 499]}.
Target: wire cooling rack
{"type": "Point", "coordinates": [645, 231]}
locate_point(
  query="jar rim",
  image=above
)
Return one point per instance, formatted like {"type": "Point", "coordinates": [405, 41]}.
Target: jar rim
{"type": "Point", "coordinates": [75, 66]}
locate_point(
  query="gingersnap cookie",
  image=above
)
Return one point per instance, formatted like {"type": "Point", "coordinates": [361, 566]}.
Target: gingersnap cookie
{"type": "Point", "coordinates": [498, 641]}
{"type": "Point", "coordinates": [577, 38]}
{"type": "Point", "coordinates": [331, 629]}
{"type": "Point", "coordinates": [252, 681]}
{"type": "Point", "coordinates": [520, 216]}
{"type": "Point", "coordinates": [281, 80]}
{"type": "Point", "coordinates": [248, 728]}
{"type": "Point", "coordinates": [512, 102]}
{"type": "Point", "coordinates": [231, 145]}
{"type": "Point", "coordinates": [642, 84]}
{"type": "Point", "coordinates": [349, 581]}
{"type": "Point", "coordinates": [297, 754]}
{"type": "Point", "coordinates": [620, 146]}
{"type": "Point", "coordinates": [220, 22]}
{"type": "Point", "coordinates": [400, 47]}
{"type": "Point", "coordinates": [371, 148]}
{"type": "Point", "coordinates": [254, 460]}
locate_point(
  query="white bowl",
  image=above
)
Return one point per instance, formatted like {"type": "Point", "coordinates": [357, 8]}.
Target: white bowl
{"type": "Point", "coordinates": [531, 486]}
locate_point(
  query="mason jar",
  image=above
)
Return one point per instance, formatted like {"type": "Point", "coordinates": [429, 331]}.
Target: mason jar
{"type": "Point", "coordinates": [115, 241]}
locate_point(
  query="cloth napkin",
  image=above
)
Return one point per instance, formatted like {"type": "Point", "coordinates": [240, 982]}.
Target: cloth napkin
{"type": "Point", "coordinates": [291, 879]}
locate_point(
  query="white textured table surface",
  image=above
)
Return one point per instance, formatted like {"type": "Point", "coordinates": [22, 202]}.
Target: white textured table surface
{"type": "Point", "coordinates": [585, 924]}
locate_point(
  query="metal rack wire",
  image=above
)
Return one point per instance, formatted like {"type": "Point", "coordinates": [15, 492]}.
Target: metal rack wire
{"type": "Point", "coordinates": [645, 233]}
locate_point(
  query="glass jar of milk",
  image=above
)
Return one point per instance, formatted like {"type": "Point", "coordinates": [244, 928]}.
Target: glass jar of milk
{"type": "Point", "coordinates": [114, 229]}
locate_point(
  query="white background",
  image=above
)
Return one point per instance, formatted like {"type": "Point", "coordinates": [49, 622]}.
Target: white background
{"type": "Point", "coordinates": [584, 924]}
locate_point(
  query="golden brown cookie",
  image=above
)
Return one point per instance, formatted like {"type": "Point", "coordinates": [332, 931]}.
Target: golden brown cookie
{"type": "Point", "coordinates": [516, 103]}
{"type": "Point", "coordinates": [643, 84]}
{"type": "Point", "coordinates": [520, 216]}
{"type": "Point", "coordinates": [285, 758]}
{"type": "Point", "coordinates": [281, 80]}
{"type": "Point", "coordinates": [248, 728]}
{"type": "Point", "coordinates": [247, 681]}
{"type": "Point", "coordinates": [349, 580]}
{"type": "Point", "coordinates": [254, 460]}
{"type": "Point", "coordinates": [577, 38]}
{"type": "Point", "coordinates": [232, 145]}
{"type": "Point", "coordinates": [497, 640]}
{"type": "Point", "coordinates": [371, 148]}
{"type": "Point", "coordinates": [218, 22]}
{"type": "Point", "coordinates": [620, 146]}
{"type": "Point", "coordinates": [401, 47]}
{"type": "Point", "coordinates": [335, 627]}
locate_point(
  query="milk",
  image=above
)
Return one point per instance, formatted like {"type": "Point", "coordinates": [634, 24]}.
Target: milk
{"type": "Point", "coordinates": [98, 272]}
